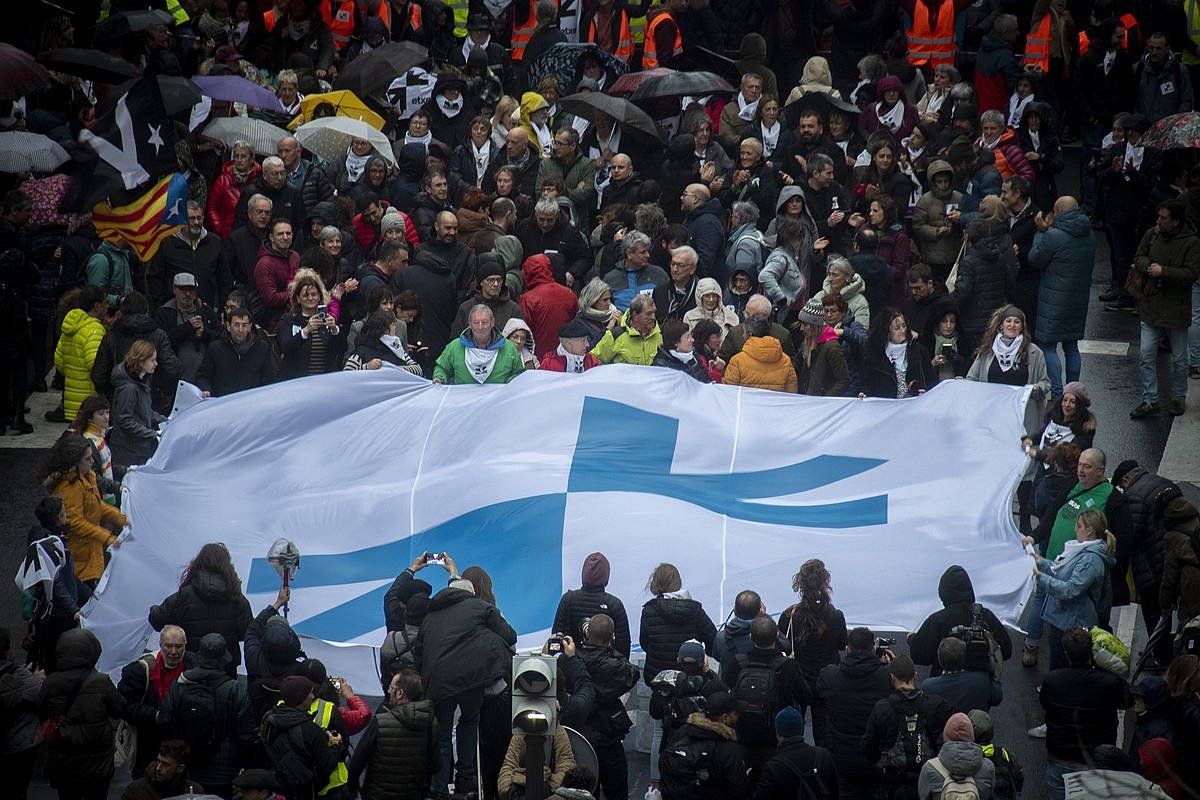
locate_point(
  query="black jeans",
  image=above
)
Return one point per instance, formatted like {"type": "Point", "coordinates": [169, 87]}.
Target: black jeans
{"type": "Point", "coordinates": [614, 770]}
{"type": "Point", "coordinates": [17, 769]}
{"type": "Point", "coordinates": [14, 387]}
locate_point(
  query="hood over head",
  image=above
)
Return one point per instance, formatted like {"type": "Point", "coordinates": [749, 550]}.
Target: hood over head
{"type": "Point", "coordinates": [787, 193]}
{"type": "Point", "coordinates": [595, 571]}
{"type": "Point", "coordinates": [281, 645]}
{"type": "Point", "coordinates": [77, 648]}
{"type": "Point", "coordinates": [955, 586]}
{"type": "Point", "coordinates": [537, 271]}
{"type": "Point", "coordinates": [327, 212]}
{"type": "Point", "coordinates": [510, 249]}
{"type": "Point", "coordinates": [816, 76]}
{"type": "Point", "coordinates": [763, 349]}
{"type": "Point", "coordinates": [938, 167]}
{"type": "Point", "coordinates": [708, 286]}
{"type": "Point", "coordinates": [753, 48]}
{"type": "Point", "coordinates": [1045, 113]}
{"type": "Point", "coordinates": [410, 161]}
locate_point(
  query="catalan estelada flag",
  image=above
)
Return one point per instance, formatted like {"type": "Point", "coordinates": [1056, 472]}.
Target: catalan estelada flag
{"type": "Point", "coordinates": [147, 221]}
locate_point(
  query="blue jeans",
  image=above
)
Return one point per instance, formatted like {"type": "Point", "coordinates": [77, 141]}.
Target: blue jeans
{"type": "Point", "coordinates": [1074, 364]}
{"type": "Point", "coordinates": [1151, 336]}
{"type": "Point", "coordinates": [1033, 636]}
{"type": "Point", "coordinates": [468, 704]}
{"type": "Point", "coordinates": [656, 738]}
{"type": "Point", "coordinates": [1194, 331]}
{"type": "Point", "coordinates": [1054, 643]}
{"type": "Point", "coordinates": [1055, 770]}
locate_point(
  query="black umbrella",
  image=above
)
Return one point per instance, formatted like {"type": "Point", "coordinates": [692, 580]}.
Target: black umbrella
{"type": "Point", "coordinates": [370, 75]}
{"type": "Point", "coordinates": [126, 23]}
{"type": "Point", "coordinates": [179, 95]}
{"type": "Point", "coordinates": [629, 116]}
{"type": "Point", "coordinates": [19, 73]}
{"type": "Point", "coordinates": [562, 61]}
{"type": "Point", "coordinates": [92, 65]}
{"type": "Point", "coordinates": [683, 84]}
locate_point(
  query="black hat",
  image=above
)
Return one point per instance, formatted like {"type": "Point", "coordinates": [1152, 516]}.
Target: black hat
{"type": "Point", "coordinates": [575, 329]}
{"type": "Point", "coordinates": [449, 80]}
{"type": "Point", "coordinates": [212, 652]}
{"type": "Point", "coordinates": [256, 779]}
{"type": "Point", "coordinates": [478, 21]}
{"type": "Point", "coordinates": [1123, 469]}
{"type": "Point", "coordinates": [720, 703]}
{"type": "Point", "coordinates": [967, 110]}
{"type": "Point", "coordinates": [1137, 122]}
{"type": "Point", "coordinates": [487, 265]}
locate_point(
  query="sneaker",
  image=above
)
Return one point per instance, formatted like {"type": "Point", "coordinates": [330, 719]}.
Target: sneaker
{"type": "Point", "coordinates": [653, 794]}
{"type": "Point", "coordinates": [1178, 405]}
{"type": "Point", "coordinates": [22, 427]}
{"type": "Point", "coordinates": [1194, 373]}
{"type": "Point", "coordinates": [1110, 294]}
{"type": "Point", "coordinates": [1144, 410]}
{"type": "Point", "coordinates": [1039, 732]}
{"type": "Point", "coordinates": [1121, 307]}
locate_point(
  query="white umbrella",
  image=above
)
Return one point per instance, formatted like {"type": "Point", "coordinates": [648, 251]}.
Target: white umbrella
{"type": "Point", "coordinates": [262, 136]}
{"type": "Point", "coordinates": [330, 137]}
{"type": "Point", "coordinates": [21, 151]}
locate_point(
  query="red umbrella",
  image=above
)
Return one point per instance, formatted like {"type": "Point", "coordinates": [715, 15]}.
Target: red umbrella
{"type": "Point", "coordinates": [628, 83]}
{"type": "Point", "coordinates": [1176, 132]}
{"type": "Point", "coordinates": [19, 73]}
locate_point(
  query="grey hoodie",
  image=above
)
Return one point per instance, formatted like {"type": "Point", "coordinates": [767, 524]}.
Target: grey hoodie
{"type": "Point", "coordinates": [961, 759]}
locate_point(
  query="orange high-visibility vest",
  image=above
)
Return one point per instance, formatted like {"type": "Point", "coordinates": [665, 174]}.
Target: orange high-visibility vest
{"type": "Point", "coordinates": [1037, 45]}
{"type": "Point", "coordinates": [269, 19]}
{"type": "Point", "coordinates": [414, 16]}
{"type": "Point", "coordinates": [650, 58]}
{"type": "Point", "coordinates": [928, 44]}
{"type": "Point", "coordinates": [1128, 21]}
{"type": "Point", "coordinates": [624, 38]}
{"type": "Point", "coordinates": [340, 21]}
{"type": "Point", "coordinates": [523, 33]}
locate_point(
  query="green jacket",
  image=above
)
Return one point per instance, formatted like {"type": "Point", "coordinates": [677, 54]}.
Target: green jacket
{"type": "Point", "coordinates": [1167, 300]}
{"type": "Point", "coordinates": [451, 367]}
{"type": "Point", "coordinates": [625, 345]}
{"type": "Point", "coordinates": [580, 170]}
{"type": "Point", "coordinates": [109, 268]}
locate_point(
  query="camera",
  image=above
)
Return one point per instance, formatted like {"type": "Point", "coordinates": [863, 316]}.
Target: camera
{"type": "Point", "coordinates": [554, 645]}
{"type": "Point", "coordinates": [883, 643]}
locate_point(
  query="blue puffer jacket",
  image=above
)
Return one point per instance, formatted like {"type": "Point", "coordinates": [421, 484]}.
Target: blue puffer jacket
{"type": "Point", "coordinates": [1076, 585]}
{"type": "Point", "coordinates": [1065, 255]}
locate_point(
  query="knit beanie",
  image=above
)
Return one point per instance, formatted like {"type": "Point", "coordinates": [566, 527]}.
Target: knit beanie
{"type": "Point", "coordinates": [1080, 391]}
{"type": "Point", "coordinates": [981, 723]}
{"type": "Point", "coordinates": [958, 729]}
{"type": "Point", "coordinates": [789, 723]}
{"type": "Point", "coordinates": [392, 219]}
{"type": "Point", "coordinates": [595, 571]}
{"type": "Point", "coordinates": [294, 690]}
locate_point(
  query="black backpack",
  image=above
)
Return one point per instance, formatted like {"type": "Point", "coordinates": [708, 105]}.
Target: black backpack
{"type": "Point", "coordinates": [684, 767]}
{"type": "Point", "coordinates": [911, 749]}
{"type": "Point", "coordinates": [810, 785]}
{"type": "Point", "coordinates": [287, 754]}
{"type": "Point", "coordinates": [196, 719]}
{"type": "Point", "coordinates": [395, 656]}
{"type": "Point", "coordinates": [755, 693]}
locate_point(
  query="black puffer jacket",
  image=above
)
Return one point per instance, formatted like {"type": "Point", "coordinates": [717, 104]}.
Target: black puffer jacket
{"type": "Point", "coordinates": [142, 706]}
{"type": "Point", "coordinates": [464, 643]}
{"type": "Point", "coordinates": [235, 723]}
{"type": "Point", "coordinates": [206, 604]}
{"type": "Point", "coordinates": [398, 752]}
{"type": "Point", "coordinates": [586, 602]}
{"type": "Point", "coordinates": [957, 595]}
{"type": "Point", "coordinates": [694, 368]}
{"type": "Point", "coordinates": [987, 271]}
{"type": "Point", "coordinates": [1146, 497]}
{"type": "Point", "coordinates": [668, 621]}
{"type": "Point", "coordinates": [612, 676]}
{"type": "Point", "coordinates": [89, 705]}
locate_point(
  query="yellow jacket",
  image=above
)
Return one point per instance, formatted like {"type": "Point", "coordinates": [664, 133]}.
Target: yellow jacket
{"type": "Point", "coordinates": [74, 356]}
{"type": "Point", "coordinates": [626, 345]}
{"type": "Point", "coordinates": [85, 513]}
{"type": "Point", "coordinates": [762, 364]}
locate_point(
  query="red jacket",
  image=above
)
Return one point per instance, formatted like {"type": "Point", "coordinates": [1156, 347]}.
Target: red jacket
{"type": "Point", "coordinates": [356, 714]}
{"type": "Point", "coordinates": [223, 199]}
{"type": "Point", "coordinates": [555, 363]}
{"type": "Point", "coordinates": [272, 274]}
{"type": "Point", "coordinates": [546, 304]}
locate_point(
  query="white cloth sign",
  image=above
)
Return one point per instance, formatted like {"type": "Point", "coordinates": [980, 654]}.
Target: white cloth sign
{"type": "Point", "coordinates": [410, 91]}
{"type": "Point", "coordinates": [363, 470]}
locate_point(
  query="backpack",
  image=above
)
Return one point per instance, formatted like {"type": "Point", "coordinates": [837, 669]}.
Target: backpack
{"type": "Point", "coordinates": [810, 785]}
{"type": "Point", "coordinates": [755, 692]}
{"type": "Point", "coordinates": [395, 656]}
{"type": "Point", "coordinates": [81, 269]}
{"type": "Point", "coordinates": [955, 787]}
{"type": "Point", "coordinates": [684, 767]}
{"type": "Point", "coordinates": [911, 749]}
{"type": "Point", "coordinates": [983, 653]}
{"type": "Point", "coordinates": [287, 754]}
{"type": "Point", "coordinates": [196, 719]}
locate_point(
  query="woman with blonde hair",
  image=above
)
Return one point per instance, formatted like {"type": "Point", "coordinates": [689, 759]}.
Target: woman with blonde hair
{"type": "Point", "coordinates": [504, 119]}
{"type": "Point", "coordinates": [1078, 583]}
{"type": "Point", "coordinates": [309, 336]}
{"type": "Point", "coordinates": [134, 433]}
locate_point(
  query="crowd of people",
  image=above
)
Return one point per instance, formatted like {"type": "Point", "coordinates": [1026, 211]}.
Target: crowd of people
{"type": "Point", "coordinates": [877, 201]}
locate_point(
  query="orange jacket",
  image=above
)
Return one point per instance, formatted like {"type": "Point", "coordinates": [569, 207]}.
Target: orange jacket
{"type": "Point", "coordinates": [85, 514]}
{"type": "Point", "coordinates": [762, 364]}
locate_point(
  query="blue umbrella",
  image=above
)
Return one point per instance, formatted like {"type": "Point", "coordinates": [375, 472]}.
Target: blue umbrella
{"type": "Point", "coordinates": [236, 89]}
{"type": "Point", "coordinates": [562, 61]}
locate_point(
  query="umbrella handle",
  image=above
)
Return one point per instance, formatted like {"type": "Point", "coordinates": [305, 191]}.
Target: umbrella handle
{"type": "Point", "coordinates": [286, 584]}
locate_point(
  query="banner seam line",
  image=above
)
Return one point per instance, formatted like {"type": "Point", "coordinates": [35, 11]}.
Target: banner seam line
{"type": "Point", "coordinates": [412, 496]}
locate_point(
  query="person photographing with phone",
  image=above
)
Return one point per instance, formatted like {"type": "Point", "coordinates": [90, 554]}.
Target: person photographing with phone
{"type": "Point", "coordinates": [309, 336]}
{"type": "Point", "coordinates": [304, 756]}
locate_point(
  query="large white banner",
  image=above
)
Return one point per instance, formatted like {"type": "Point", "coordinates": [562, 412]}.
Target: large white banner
{"type": "Point", "coordinates": [364, 470]}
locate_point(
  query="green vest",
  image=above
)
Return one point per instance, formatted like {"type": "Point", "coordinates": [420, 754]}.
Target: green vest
{"type": "Point", "coordinates": [1078, 501]}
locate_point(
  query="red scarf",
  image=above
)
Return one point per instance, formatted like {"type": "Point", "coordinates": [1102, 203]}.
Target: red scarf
{"type": "Point", "coordinates": [162, 678]}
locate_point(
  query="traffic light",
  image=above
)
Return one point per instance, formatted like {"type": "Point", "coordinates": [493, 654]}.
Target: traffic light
{"type": "Point", "coordinates": [534, 694]}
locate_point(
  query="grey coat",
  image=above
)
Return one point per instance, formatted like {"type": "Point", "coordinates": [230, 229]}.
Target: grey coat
{"type": "Point", "coordinates": [1035, 409]}
{"type": "Point", "coordinates": [961, 759]}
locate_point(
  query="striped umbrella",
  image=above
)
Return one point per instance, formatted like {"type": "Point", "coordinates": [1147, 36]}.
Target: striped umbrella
{"type": "Point", "coordinates": [262, 136]}
{"type": "Point", "coordinates": [21, 152]}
